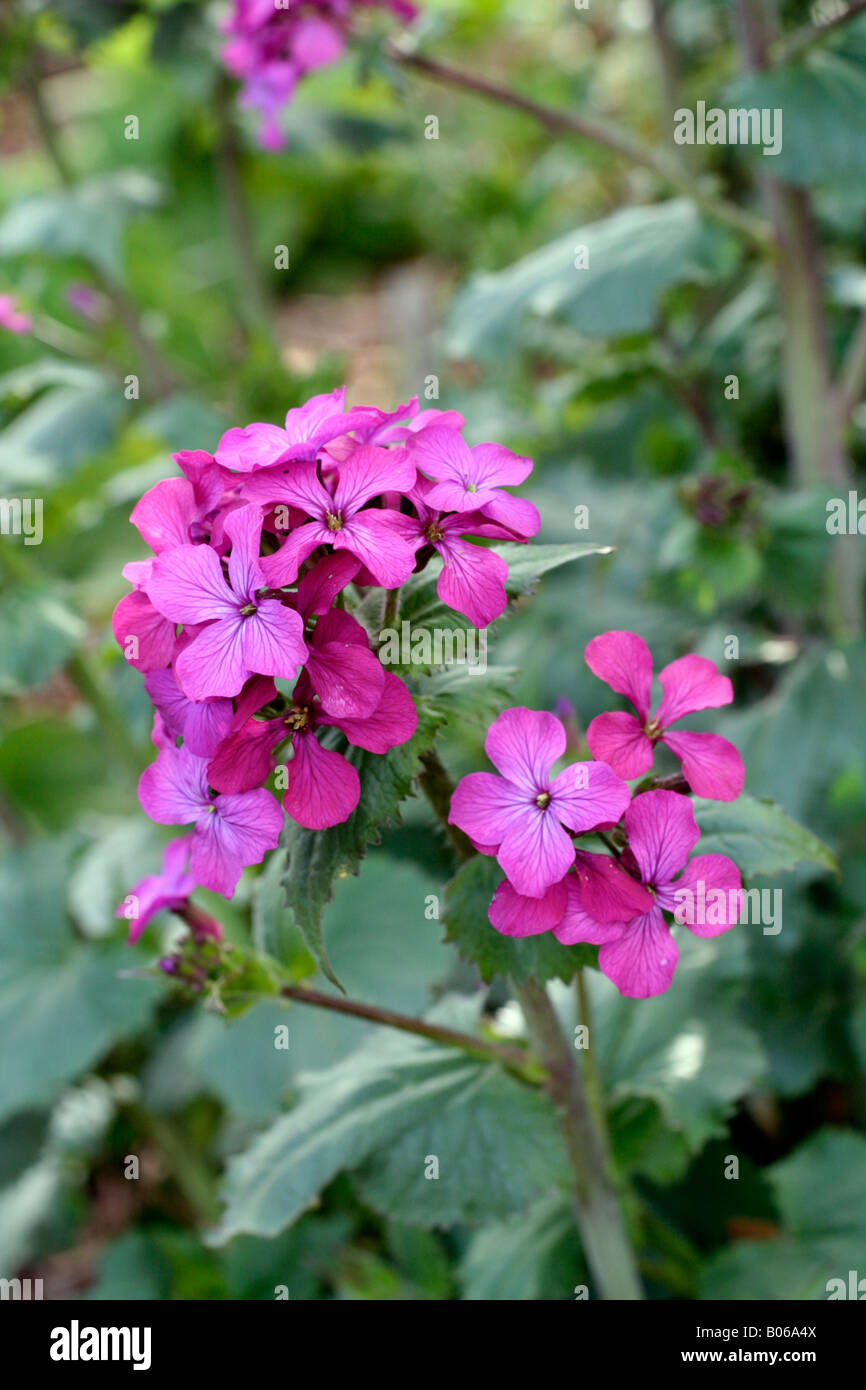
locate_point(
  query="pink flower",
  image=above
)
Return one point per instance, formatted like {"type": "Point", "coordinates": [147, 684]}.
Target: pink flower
{"type": "Point", "coordinates": [243, 633]}
{"type": "Point", "coordinates": [165, 891]}
{"type": "Point", "coordinates": [340, 518]}
{"type": "Point", "coordinates": [230, 831]}
{"type": "Point", "coordinates": [640, 956]}
{"type": "Point", "coordinates": [468, 480]}
{"type": "Point", "coordinates": [472, 580]}
{"type": "Point", "coordinates": [522, 815]}
{"type": "Point", "coordinates": [11, 317]}
{"type": "Point", "coordinates": [711, 765]}
{"type": "Point", "coordinates": [323, 788]}
{"type": "Point", "coordinates": [201, 724]}
{"type": "Point", "coordinates": [308, 429]}
{"type": "Point", "coordinates": [596, 887]}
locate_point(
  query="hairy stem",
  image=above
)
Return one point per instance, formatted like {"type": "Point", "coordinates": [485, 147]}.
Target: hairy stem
{"type": "Point", "coordinates": [600, 1221]}
{"type": "Point", "coordinates": [513, 1058]}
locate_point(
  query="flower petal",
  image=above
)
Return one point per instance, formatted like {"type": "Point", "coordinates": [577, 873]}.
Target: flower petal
{"type": "Point", "coordinates": [187, 585]}
{"type": "Point", "coordinates": [376, 538]}
{"type": "Point", "coordinates": [577, 925]}
{"type": "Point", "coordinates": [585, 795]}
{"type": "Point", "coordinates": [472, 580]}
{"type": "Point", "coordinates": [173, 790]}
{"type": "Point", "coordinates": [240, 831]}
{"type": "Point", "coordinates": [273, 640]}
{"type": "Point", "coordinates": [535, 852]}
{"type": "Point", "coordinates": [512, 914]}
{"type": "Point", "coordinates": [623, 661]}
{"type": "Point", "coordinates": [607, 893]}
{"type": "Point", "coordinates": [485, 807]}
{"type": "Point", "coordinates": [707, 897]}
{"type": "Point", "coordinates": [711, 765]}
{"type": "Point", "coordinates": [691, 683]}
{"type": "Point", "coordinates": [368, 472]}
{"type": "Point", "coordinates": [244, 529]}
{"type": "Point", "coordinates": [641, 963]}
{"type": "Point", "coordinates": [662, 832]}
{"type": "Point", "coordinates": [393, 721]}
{"type": "Point", "coordinates": [214, 662]}
{"type": "Point", "coordinates": [618, 739]}
{"type": "Point", "coordinates": [523, 744]}
{"type": "Point", "coordinates": [143, 632]}
{"type": "Point", "coordinates": [324, 788]}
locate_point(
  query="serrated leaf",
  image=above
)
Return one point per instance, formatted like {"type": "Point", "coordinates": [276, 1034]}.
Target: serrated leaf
{"type": "Point", "coordinates": [541, 957]}
{"type": "Point", "coordinates": [758, 836]}
{"type": "Point", "coordinates": [391, 1084]}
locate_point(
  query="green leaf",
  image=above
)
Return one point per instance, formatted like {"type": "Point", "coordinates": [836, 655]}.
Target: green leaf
{"type": "Point", "coordinates": [820, 1192]}
{"type": "Point", "coordinates": [37, 634]}
{"type": "Point", "coordinates": [542, 957]}
{"type": "Point", "coordinates": [686, 1050]}
{"type": "Point", "coordinates": [317, 857]}
{"type": "Point", "coordinates": [59, 429]}
{"type": "Point", "coordinates": [758, 836]}
{"type": "Point", "coordinates": [479, 1178]}
{"type": "Point", "coordinates": [388, 1086]}
{"type": "Point", "coordinates": [86, 221]}
{"type": "Point", "coordinates": [634, 256]}
{"type": "Point", "coordinates": [531, 1257]}
{"type": "Point", "coordinates": [62, 1004]}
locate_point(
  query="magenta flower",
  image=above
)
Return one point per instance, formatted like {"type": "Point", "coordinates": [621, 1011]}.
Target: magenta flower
{"type": "Point", "coordinates": [524, 816]}
{"type": "Point", "coordinates": [12, 318]}
{"type": "Point", "coordinates": [308, 429]}
{"type": "Point", "coordinates": [243, 633]}
{"type": "Point", "coordinates": [201, 724]}
{"type": "Point", "coordinates": [230, 831]}
{"type": "Point", "coordinates": [711, 765]}
{"type": "Point", "coordinates": [173, 512]}
{"type": "Point", "coordinates": [468, 480]}
{"type": "Point", "coordinates": [340, 518]}
{"type": "Point", "coordinates": [472, 580]}
{"type": "Point", "coordinates": [640, 956]}
{"type": "Point", "coordinates": [165, 891]}
{"type": "Point", "coordinates": [596, 886]}
{"type": "Point", "coordinates": [147, 638]}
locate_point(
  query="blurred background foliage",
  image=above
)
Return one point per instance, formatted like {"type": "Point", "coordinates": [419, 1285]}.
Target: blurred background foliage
{"type": "Point", "coordinates": [410, 258]}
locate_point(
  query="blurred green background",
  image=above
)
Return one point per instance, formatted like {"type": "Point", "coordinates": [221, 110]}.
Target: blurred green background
{"type": "Point", "coordinates": [409, 259]}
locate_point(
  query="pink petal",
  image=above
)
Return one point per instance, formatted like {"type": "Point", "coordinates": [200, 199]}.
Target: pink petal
{"type": "Point", "coordinates": [607, 893]}
{"type": "Point", "coordinates": [154, 636]}
{"type": "Point", "coordinates": [524, 744]}
{"type": "Point", "coordinates": [294, 484]}
{"type": "Point", "coordinates": [244, 530]}
{"type": "Point", "coordinates": [173, 790]}
{"type": "Point", "coordinates": [320, 585]}
{"type": "Point", "coordinates": [207, 478]}
{"type": "Point", "coordinates": [536, 852]}
{"type": "Point", "coordinates": [515, 514]}
{"type": "Point", "coordinates": [240, 831]}
{"type": "Point", "coordinates": [244, 759]}
{"type": "Point", "coordinates": [577, 925]}
{"type": "Point", "coordinates": [618, 739]}
{"type": "Point", "coordinates": [375, 538]}
{"type": "Point", "coordinates": [348, 679]}
{"type": "Point", "coordinates": [472, 580]}
{"type": "Point", "coordinates": [707, 896]}
{"type": "Point", "coordinates": [368, 472]}
{"type": "Point", "coordinates": [443, 454]}
{"type": "Point", "coordinates": [324, 788]}
{"type": "Point", "coordinates": [662, 832]}
{"type": "Point", "coordinates": [282, 567]}
{"type": "Point", "coordinates": [257, 446]}
{"type": "Point", "coordinates": [711, 765]}
{"type": "Point", "coordinates": [485, 807]}
{"type": "Point", "coordinates": [393, 721]}
{"type": "Point", "coordinates": [495, 466]}
{"type": "Point", "coordinates": [187, 585]}
{"type": "Point", "coordinates": [512, 914]}
{"type": "Point", "coordinates": [588, 794]}
{"type": "Point", "coordinates": [641, 963]}
{"type": "Point", "coordinates": [168, 889]}
{"type": "Point", "coordinates": [214, 663]}
{"type": "Point", "coordinates": [623, 661]}
{"type": "Point", "coordinates": [163, 514]}
{"type": "Point", "coordinates": [691, 683]}
{"type": "Point", "coordinates": [273, 640]}
{"type": "Point", "coordinates": [206, 725]}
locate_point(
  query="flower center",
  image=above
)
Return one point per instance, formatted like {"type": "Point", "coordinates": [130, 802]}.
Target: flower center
{"type": "Point", "coordinates": [334, 521]}
{"type": "Point", "coordinates": [652, 728]}
{"type": "Point", "coordinates": [248, 610]}
{"type": "Point", "coordinates": [434, 533]}
{"type": "Point", "coordinates": [298, 718]}
{"type": "Point", "coordinates": [471, 487]}
{"type": "Point", "coordinates": [542, 801]}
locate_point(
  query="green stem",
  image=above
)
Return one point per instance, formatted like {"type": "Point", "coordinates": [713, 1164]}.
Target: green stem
{"type": "Point", "coordinates": [438, 789]}
{"type": "Point", "coordinates": [599, 1217]}
{"type": "Point", "coordinates": [594, 1088]}
{"type": "Point", "coordinates": [513, 1058]}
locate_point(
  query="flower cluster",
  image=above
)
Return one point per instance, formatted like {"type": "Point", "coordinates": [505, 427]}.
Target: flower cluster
{"type": "Point", "coordinates": [526, 817]}
{"type": "Point", "coordinates": [272, 44]}
{"type": "Point", "coordinates": [240, 619]}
